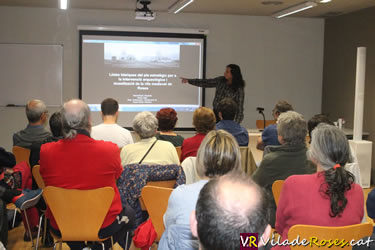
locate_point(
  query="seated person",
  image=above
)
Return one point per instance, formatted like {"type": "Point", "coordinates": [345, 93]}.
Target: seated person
{"type": "Point", "coordinates": [109, 130]}
{"type": "Point", "coordinates": [167, 118]}
{"type": "Point", "coordinates": [227, 111]}
{"type": "Point", "coordinates": [269, 135]}
{"type": "Point", "coordinates": [370, 206]}
{"type": "Point", "coordinates": [352, 164]}
{"type": "Point", "coordinates": [190, 169]}
{"type": "Point", "coordinates": [223, 212]}
{"type": "Point", "coordinates": [10, 186]}
{"type": "Point", "coordinates": [148, 150]}
{"type": "Point", "coordinates": [57, 134]}
{"type": "Point", "coordinates": [36, 112]}
{"type": "Point", "coordinates": [80, 162]}
{"type": "Point", "coordinates": [204, 121]}
{"type": "Point", "coordinates": [285, 160]}
{"type": "Point", "coordinates": [218, 154]}
{"type": "Point", "coordinates": [327, 198]}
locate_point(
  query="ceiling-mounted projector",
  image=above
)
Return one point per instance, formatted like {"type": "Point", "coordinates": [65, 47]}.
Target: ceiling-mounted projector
{"type": "Point", "coordinates": [144, 13]}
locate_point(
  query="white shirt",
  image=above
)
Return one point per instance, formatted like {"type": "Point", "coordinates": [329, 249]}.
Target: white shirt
{"type": "Point", "coordinates": [163, 153]}
{"type": "Point", "coordinates": [113, 133]}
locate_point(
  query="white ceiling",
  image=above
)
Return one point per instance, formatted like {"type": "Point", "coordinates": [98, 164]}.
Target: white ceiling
{"type": "Point", "coordinates": [235, 7]}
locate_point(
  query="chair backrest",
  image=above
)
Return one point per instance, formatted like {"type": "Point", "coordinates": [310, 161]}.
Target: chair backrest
{"type": "Point", "coordinates": [276, 190]}
{"type": "Point", "coordinates": [348, 233]}
{"type": "Point", "coordinates": [79, 214]}
{"type": "Point", "coordinates": [156, 202]}
{"type": "Point", "coordinates": [260, 123]}
{"type": "Point", "coordinates": [37, 177]}
{"type": "Point", "coordinates": [247, 160]}
{"type": "Point", "coordinates": [165, 184]}
{"type": "Point", "coordinates": [21, 154]}
{"type": "Point", "coordinates": [178, 149]}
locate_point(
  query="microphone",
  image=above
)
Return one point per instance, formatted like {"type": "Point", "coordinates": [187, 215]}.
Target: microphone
{"type": "Point", "coordinates": [260, 111]}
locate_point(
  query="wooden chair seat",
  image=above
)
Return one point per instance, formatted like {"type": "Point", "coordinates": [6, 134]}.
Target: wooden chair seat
{"type": "Point", "coordinates": [156, 203]}
{"type": "Point", "coordinates": [79, 214]}
{"type": "Point", "coordinates": [347, 233]}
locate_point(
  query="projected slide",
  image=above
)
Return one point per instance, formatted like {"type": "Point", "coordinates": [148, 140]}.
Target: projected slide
{"type": "Point", "coordinates": [142, 73]}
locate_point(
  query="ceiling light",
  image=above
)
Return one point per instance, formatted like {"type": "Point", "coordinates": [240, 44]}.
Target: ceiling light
{"type": "Point", "coordinates": [294, 9]}
{"type": "Point", "coordinates": [179, 5]}
{"type": "Point", "coordinates": [63, 4]}
{"type": "Point", "coordinates": [325, 1]}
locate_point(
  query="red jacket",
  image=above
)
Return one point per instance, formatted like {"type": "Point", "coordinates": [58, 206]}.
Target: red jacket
{"type": "Point", "coordinates": [301, 203]}
{"type": "Point", "coordinates": [190, 146]}
{"type": "Point", "coordinates": [82, 163]}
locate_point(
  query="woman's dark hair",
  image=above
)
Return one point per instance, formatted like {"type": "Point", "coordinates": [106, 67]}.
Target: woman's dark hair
{"type": "Point", "coordinates": [167, 118]}
{"type": "Point", "coordinates": [237, 81]}
{"type": "Point", "coordinates": [330, 149]}
{"type": "Point", "coordinates": [55, 124]}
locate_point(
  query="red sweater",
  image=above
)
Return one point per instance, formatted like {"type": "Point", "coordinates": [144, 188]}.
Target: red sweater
{"type": "Point", "coordinates": [302, 203]}
{"type": "Point", "coordinates": [82, 163]}
{"type": "Point", "coordinates": [190, 146]}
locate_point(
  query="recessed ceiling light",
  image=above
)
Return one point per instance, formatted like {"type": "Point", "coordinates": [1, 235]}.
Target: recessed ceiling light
{"type": "Point", "coordinates": [325, 1]}
{"type": "Point", "coordinates": [63, 4]}
{"type": "Point", "coordinates": [272, 2]}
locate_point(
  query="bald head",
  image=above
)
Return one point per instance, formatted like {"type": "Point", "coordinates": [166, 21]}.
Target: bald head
{"type": "Point", "coordinates": [241, 203]}
{"type": "Point", "coordinates": [75, 116]}
{"type": "Point", "coordinates": [36, 111]}
{"type": "Point", "coordinates": [227, 206]}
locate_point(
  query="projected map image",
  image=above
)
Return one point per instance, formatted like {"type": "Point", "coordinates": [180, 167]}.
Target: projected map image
{"type": "Point", "coordinates": [142, 55]}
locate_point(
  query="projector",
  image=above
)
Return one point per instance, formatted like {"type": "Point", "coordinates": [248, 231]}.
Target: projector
{"type": "Point", "coordinates": [145, 15]}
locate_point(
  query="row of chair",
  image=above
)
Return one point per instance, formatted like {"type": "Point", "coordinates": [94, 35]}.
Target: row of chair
{"type": "Point", "coordinates": [74, 207]}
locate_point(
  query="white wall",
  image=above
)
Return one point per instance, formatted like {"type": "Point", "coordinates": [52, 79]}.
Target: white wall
{"type": "Point", "coordinates": [280, 59]}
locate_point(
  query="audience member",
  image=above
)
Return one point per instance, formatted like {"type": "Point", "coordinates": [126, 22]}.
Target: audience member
{"type": "Point", "coordinates": [269, 135]}
{"type": "Point", "coordinates": [226, 111]}
{"type": "Point", "coordinates": [218, 154]}
{"type": "Point", "coordinates": [109, 130]}
{"type": "Point", "coordinates": [36, 112]}
{"type": "Point", "coordinates": [148, 150]}
{"type": "Point", "coordinates": [10, 186]}
{"type": "Point", "coordinates": [315, 121]}
{"type": "Point", "coordinates": [370, 206]}
{"type": "Point", "coordinates": [204, 121]}
{"type": "Point", "coordinates": [352, 164]}
{"type": "Point", "coordinates": [223, 213]}
{"type": "Point", "coordinates": [287, 159]}
{"type": "Point", "coordinates": [327, 198]}
{"type": "Point", "coordinates": [80, 162]}
{"type": "Point", "coordinates": [167, 118]}
{"type": "Point", "coordinates": [57, 134]}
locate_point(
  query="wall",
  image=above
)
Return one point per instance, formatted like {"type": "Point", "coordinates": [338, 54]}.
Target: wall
{"type": "Point", "coordinates": [343, 34]}
{"type": "Point", "coordinates": [280, 59]}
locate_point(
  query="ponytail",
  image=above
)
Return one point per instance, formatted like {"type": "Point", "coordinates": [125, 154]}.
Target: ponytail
{"type": "Point", "coordinates": [337, 182]}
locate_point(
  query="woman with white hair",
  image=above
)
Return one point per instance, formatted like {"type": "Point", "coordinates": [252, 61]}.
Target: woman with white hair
{"type": "Point", "coordinates": [148, 150]}
{"type": "Point", "coordinates": [327, 198]}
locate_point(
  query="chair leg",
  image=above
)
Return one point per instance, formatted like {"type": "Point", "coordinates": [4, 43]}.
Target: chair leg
{"type": "Point", "coordinates": [60, 245]}
{"type": "Point", "coordinates": [112, 241]}
{"type": "Point", "coordinates": [126, 241]}
{"type": "Point", "coordinates": [14, 218]}
{"type": "Point", "coordinates": [28, 227]}
{"type": "Point", "coordinates": [45, 230]}
{"type": "Point", "coordinates": [39, 228]}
